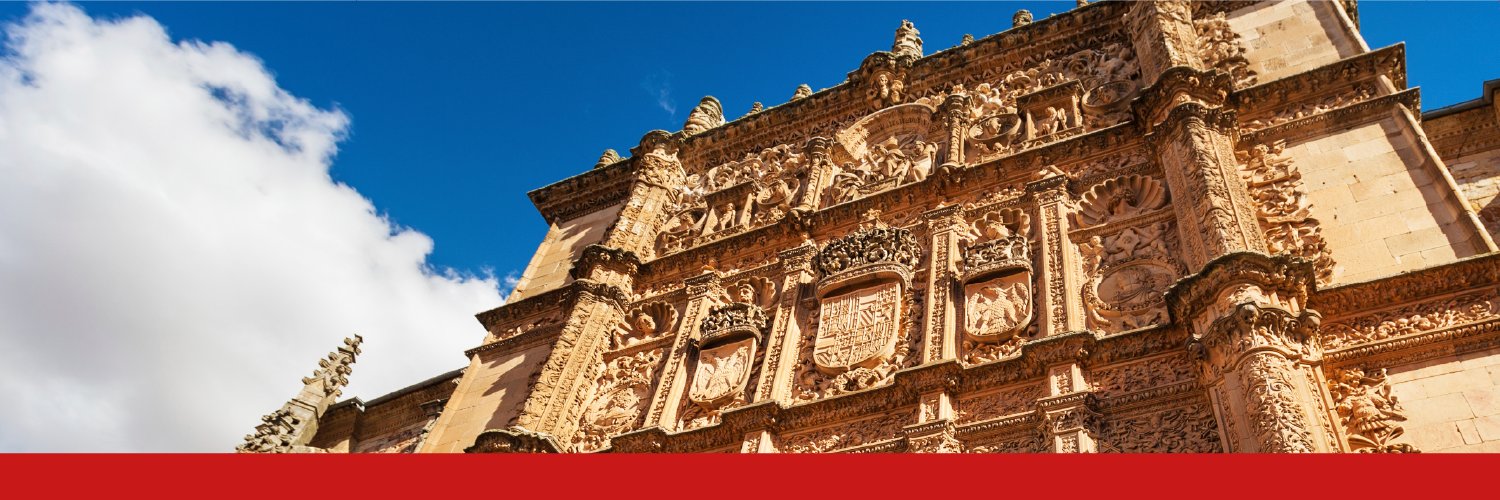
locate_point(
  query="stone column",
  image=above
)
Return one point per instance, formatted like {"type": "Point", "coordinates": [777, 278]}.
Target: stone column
{"type": "Point", "coordinates": [1193, 138]}
{"type": "Point", "coordinates": [702, 292]}
{"type": "Point", "coordinates": [1060, 304]}
{"type": "Point", "coordinates": [781, 350]}
{"type": "Point", "coordinates": [819, 173]}
{"type": "Point", "coordinates": [1163, 35]}
{"type": "Point", "coordinates": [1255, 341]}
{"type": "Point", "coordinates": [604, 281]}
{"type": "Point", "coordinates": [1070, 420]}
{"type": "Point", "coordinates": [954, 112]}
{"type": "Point", "coordinates": [944, 225]}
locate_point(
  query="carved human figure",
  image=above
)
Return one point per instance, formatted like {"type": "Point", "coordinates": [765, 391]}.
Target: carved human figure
{"type": "Point", "coordinates": [727, 217]}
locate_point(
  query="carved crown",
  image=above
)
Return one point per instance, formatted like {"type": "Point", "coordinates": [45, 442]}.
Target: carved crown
{"type": "Point", "coordinates": [996, 256]}
{"type": "Point", "coordinates": [870, 250]}
{"type": "Point", "coordinates": [733, 320]}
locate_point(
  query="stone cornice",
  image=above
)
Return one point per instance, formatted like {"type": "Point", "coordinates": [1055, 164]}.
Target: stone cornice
{"type": "Point", "coordinates": [1359, 113]}
{"type": "Point", "coordinates": [1353, 298]}
{"type": "Point", "coordinates": [527, 307]}
{"type": "Point", "coordinates": [584, 193]}
{"type": "Point", "coordinates": [1388, 61]}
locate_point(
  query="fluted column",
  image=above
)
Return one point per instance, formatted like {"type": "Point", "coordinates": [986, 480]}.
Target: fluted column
{"type": "Point", "coordinates": [1255, 342]}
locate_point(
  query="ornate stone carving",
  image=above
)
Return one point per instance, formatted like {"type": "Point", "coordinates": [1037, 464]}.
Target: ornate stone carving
{"type": "Point", "coordinates": [1411, 320]}
{"type": "Point", "coordinates": [997, 289]}
{"type": "Point", "coordinates": [1119, 198]}
{"type": "Point", "coordinates": [908, 41]}
{"type": "Point", "coordinates": [755, 107]}
{"type": "Point", "coordinates": [1273, 409]}
{"type": "Point", "coordinates": [1285, 214]}
{"type": "Point", "coordinates": [610, 157]}
{"type": "Point", "coordinates": [708, 114]}
{"type": "Point", "coordinates": [1128, 273]}
{"type": "Point", "coordinates": [801, 92]}
{"type": "Point", "coordinates": [722, 372]}
{"type": "Point", "coordinates": [1219, 47]}
{"type": "Point", "coordinates": [869, 250]}
{"type": "Point", "coordinates": [894, 146]}
{"type": "Point", "coordinates": [858, 329]}
{"type": "Point", "coordinates": [513, 440]}
{"type": "Point", "coordinates": [333, 371]}
{"type": "Point", "coordinates": [618, 403]}
{"type": "Point", "coordinates": [274, 434]}
{"type": "Point", "coordinates": [1021, 18]}
{"type": "Point", "coordinates": [1369, 411]}
{"type": "Point", "coordinates": [1183, 429]}
{"type": "Point", "coordinates": [646, 322]}
{"type": "Point", "coordinates": [841, 437]}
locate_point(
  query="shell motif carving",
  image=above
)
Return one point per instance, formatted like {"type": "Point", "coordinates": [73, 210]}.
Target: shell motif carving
{"type": "Point", "coordinates": [1119, 198]}
{"type": "Point", "coordinates": [646, 322]}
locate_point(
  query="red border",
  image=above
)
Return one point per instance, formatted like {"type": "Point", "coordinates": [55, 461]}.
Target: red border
{"type": "Point", "coordinates": [770, 477]}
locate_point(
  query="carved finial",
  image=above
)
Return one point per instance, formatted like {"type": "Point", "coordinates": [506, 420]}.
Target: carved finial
{"type": "Point", "coordinates": [1083, 2]}
{"type": "Point", "coordinates": [285, 429]}
{"type": "Point", "coordinates": [968, 39]}
{"type": "Point", "coordinates": [610, 157]}
{"type": "Point", "coordinates": [708, 114]}
{"type": "Point", "coordinates": [802, 91]}
{"type": "Point", "coordinates": [908, 41]}
{"type": "Point", "coordinates": [1022, 18]}
{"type": "Point", "coordinates": [333, 371]}
{"type": "Point", "coordinates": [756, 108]}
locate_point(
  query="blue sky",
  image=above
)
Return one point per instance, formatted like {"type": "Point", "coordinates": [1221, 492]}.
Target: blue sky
{"type": "Point", "coordinates": [459, 109]}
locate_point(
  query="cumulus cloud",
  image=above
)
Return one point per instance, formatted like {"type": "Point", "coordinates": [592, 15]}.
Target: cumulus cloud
{"type": "Point", "coordinates": [174, 255]}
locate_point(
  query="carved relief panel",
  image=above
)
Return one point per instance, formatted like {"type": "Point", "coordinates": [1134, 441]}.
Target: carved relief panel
{"type": "Point", "coordinates": [889, 148]}
{"type": "Point", "coordinates": [1089, 88]}
{"type": "Point", "coordinates": [727, 357]}
{"type": "Point", "coordinates": [861, 330]}
{"type": "Point", "coordinates": [998, 286]}
{"type": "Point", "coordinates": [736, 196]}
{"type": "Point", "coordinates": [620, 397]}
{"type": "Point", "coordinates": [1128, 243]}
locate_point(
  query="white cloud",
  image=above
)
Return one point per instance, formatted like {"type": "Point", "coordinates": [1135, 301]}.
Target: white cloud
{"type": "Point", "coordinates": [173, 253]}
{"type": "Point", "coordinates": [659, 85]}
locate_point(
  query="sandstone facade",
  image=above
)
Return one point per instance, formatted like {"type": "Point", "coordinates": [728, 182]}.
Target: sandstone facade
{"type": "Point", "coordinates": [1153, 226]}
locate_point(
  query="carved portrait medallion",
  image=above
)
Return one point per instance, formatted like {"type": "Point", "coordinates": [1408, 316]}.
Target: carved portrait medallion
{"type": "Point", "coordinates": [1135, 286]}
{"type": "Point", "coordinates": [722, 373]}
{"type": "Point", "coordinates": [858, 328]}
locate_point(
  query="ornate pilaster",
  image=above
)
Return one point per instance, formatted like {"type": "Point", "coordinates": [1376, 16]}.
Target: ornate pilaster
{"type": "Point", "coordinates": [1060, 305]}
{"type": "Point", "coordinates": [819, 173]}
{"type": "Point", "coordinates": [781, 349]}
{"type": "Point", "coordinates": [702, 292]}
{"type": "Point", "coordinates": [1163, 35]}
{"type": "Point", "coordinates": [1255, 341]}
{"type": "Point", "coordinates": [935, 431]}
{"type": "Point", "coordinates": [1193, 141]}
{"type": "Point", "coordinates": [657, 179]}
{"type": "Point", "coordinates": [291, 427]}
{"type": "Point", "coordinates": [944, 225]}
{"type": "Point", "coordinates": [604, 277]}
{"type": "Point", "coordinates": [954, 114]}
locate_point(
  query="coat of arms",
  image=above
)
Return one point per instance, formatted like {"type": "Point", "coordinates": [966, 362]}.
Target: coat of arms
{"type": "Point", "coordinates": [722, 373]}
{"type": "Point", "coordinates": [999, 307]}
{"type": "Point", "coordinates": [858, 328]}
